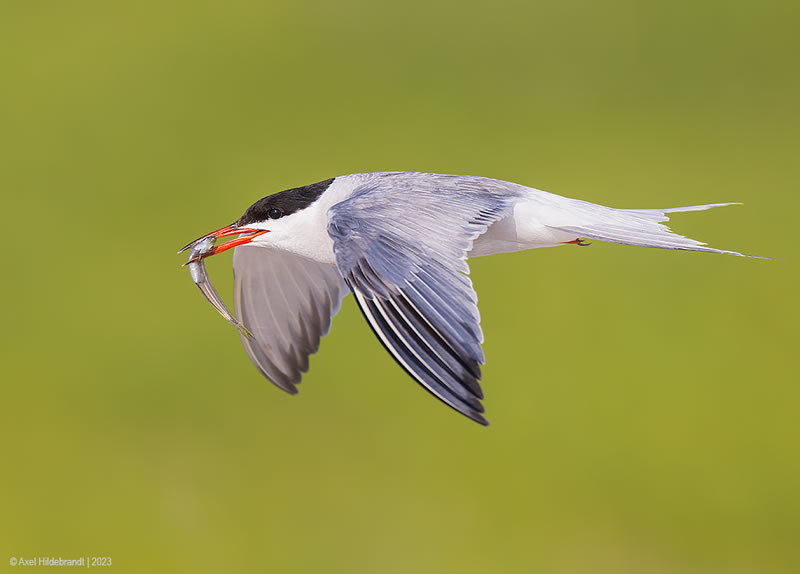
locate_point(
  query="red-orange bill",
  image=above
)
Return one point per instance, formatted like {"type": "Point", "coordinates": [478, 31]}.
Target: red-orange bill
{"type": "Point", "coordinates": [226, 231]}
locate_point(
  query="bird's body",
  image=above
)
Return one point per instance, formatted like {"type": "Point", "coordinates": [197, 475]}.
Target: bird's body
{"type": "Point", "coordinates": [399, 241]}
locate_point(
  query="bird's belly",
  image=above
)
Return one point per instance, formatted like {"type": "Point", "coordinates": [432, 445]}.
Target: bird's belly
{"type": "Point", "coordinates": [521, 230]}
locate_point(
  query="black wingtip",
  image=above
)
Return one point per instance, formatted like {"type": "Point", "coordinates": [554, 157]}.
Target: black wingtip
{"type": "Point", "coordinates": [482, 421]}
{"type": "Point", "coordinates": [291, 390]}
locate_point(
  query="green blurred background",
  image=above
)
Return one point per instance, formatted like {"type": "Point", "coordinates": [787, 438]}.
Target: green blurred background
{"type": "Point", "coordinates": [644, 402]}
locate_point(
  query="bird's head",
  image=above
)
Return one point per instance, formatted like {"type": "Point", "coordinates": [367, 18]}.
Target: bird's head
{"type": "Point", "coordinates": [269, 214]}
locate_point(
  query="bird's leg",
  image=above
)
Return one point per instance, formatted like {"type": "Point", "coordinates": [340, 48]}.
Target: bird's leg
{"type": "Point", "coordinates": [579, 241]}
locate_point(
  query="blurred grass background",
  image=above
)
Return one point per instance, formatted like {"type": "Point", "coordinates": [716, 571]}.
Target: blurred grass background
{"type": "Point", "coordinates": [644, 402]}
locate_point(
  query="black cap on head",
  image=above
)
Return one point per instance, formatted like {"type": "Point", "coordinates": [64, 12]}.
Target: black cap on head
{"type": "Point", "coordinates": [283, 203]}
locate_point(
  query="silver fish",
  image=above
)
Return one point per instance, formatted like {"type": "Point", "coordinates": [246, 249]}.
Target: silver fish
{"type": "Point", "coordinates": [197, 269]}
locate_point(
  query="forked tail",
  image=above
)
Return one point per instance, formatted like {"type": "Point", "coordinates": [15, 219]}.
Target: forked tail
{"type": "Point", "coordinates": [640, 227]}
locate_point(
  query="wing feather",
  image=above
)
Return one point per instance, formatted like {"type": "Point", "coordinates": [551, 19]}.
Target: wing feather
{"type": "Point", "coordinates": [401, 245]}
{"type": "Point", "coordinates": [287, 302]}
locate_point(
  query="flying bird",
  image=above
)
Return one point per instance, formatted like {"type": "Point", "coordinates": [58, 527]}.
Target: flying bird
{"type": "Point", "coordinates": [399, 241]}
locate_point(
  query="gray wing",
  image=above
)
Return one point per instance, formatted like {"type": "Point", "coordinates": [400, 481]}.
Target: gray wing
{"type": "Point", "coordinates": [402, 251]}
{"type": "Point", "coordinates": [287, 302]}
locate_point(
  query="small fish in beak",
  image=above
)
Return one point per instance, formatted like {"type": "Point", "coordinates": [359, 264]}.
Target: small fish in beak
{"type": "Point", "coordinates": [201, 249]}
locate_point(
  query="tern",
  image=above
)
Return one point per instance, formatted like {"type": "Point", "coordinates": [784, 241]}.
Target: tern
{"type": "Point", "coordinates": [399, 241]}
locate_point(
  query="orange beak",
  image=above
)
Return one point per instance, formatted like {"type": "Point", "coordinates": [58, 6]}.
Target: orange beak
{"type": "Point", "coordinates": [226, 231]}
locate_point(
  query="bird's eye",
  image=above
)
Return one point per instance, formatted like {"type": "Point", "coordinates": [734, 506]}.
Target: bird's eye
{"type": "Point", "coordinates": [275, 213]}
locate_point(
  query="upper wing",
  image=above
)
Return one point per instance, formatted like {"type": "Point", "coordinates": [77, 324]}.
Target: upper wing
{"type": "Point", "coordinates": [402, 252]}
{"type": "Point", "coordinates": [287, 302]}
